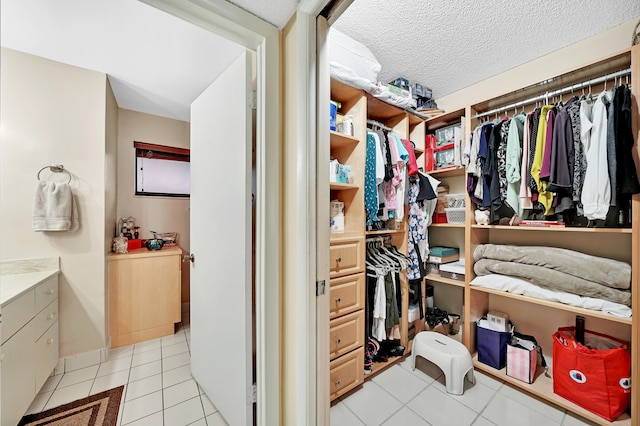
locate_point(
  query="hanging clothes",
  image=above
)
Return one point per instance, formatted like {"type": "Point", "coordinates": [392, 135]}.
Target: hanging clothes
{"type": "Point", "coordinates": [544, 197]}
{"type": "Point", "coordinates": [525, 190]}
{"type": "Point", "coordinates": [513, 162]}
{"type": "Point", "coordinates": [627, 176]}
{"type": "Point", "coordinates": [596, 192]}
{"type": "Point", "coordinates": [561, 160]}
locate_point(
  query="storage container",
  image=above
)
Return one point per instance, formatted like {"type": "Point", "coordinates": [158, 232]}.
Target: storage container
{"type": "Point", "coordinates": [453, 270]}
{"type": "Point", "coordinates": [455, 200]}
{"type": "Point", "coordinates": [447, 135]}
{"type": "Point", "coordinates": [445, 156]}
{"type": "Point", "coordinates": [455, 215]}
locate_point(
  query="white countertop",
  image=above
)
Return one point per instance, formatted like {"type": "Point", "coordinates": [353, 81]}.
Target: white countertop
{"type": "Point", "coordinates": [13, 286]}
{"type": "Point", "coordinates": [19, 276]}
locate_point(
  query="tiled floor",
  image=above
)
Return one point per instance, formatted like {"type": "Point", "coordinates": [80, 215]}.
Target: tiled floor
{"type": "Point", "coordinates": [159, 389]}
{"type": "Point", "coordinates": [402, 397]}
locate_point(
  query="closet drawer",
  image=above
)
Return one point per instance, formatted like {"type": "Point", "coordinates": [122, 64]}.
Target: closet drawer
{"type": "Point", "coordinates": [346, 257]}
{"type": "Point", "coordinates": [346, 334]}
{"type": "Point", "coordinates": [346, 372]}
{"type": "Point", "coordinates": [45, 319]}
{"type": "Point", "coordinates": [17, 314]}
{"type": "Point", "coordinates": [346, 295]}
{"type": "Point", "coordinates": [46, 292]}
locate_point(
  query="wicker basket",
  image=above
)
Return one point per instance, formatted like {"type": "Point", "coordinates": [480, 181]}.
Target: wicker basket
{"type": "Point", "coordinates": [455, 215]}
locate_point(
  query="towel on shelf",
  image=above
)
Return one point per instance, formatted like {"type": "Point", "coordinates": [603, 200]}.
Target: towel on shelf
{"type": "Point", "coordinates": [53, 207]}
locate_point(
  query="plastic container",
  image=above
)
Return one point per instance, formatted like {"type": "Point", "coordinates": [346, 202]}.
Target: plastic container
{"type": "Point", "coordinates": [455, 200]}
{"type": "Point", "coordinates": [455, 215]}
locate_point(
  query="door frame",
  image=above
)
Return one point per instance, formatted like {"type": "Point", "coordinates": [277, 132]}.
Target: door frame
{"type": "Point", "coordinates": [235, 24]}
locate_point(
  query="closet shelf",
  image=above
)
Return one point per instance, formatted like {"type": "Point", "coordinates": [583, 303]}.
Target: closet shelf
{"type": "Point", "coordinates": [334, 186]}
{"type": "Point", "coordinates": [542, 387]}
{"type": "Point", "coordinates": [448, 172]}
{"type": "Point", "coordinates": [445, 119]}
{"type": "Point", "coordinates": [555, 229]}
{"type": "Point", "coordinates": [386, 232]}
{"type": "Point", "coordinates": [447, 225]}
{"type": "Point", "coordinates": [444, 280]}
{"type": "Point", "coordinates": [345, 236]}
{"type": "Point", "coordinates": [340, 139]}
{"type": "Point", "coordinates": [554, 305]}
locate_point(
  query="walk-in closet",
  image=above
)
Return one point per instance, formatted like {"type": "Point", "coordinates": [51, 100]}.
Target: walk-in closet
{"type": "Point", "coordinates": [550, 252]}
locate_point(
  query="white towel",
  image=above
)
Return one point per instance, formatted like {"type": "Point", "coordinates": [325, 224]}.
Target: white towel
{"type": "Point", "coordinates": [52, 207]}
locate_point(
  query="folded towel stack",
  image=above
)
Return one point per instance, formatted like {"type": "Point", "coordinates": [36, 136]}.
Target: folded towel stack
{"type": "Point", "coordinates": [53, 207]}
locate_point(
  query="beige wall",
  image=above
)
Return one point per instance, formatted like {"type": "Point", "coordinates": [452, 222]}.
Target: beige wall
{"type": "Point", "coordinates": [110, 193]}
{"type": "Point", "coordinates": [160, 214]}
{"type": "Point", "coordinates": [561, 61]}
{"type": "Point", "coordinates": [55, 113]}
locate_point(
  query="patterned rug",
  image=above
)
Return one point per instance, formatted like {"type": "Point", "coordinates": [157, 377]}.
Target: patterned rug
{"type": "Point", "coordinates": [100, 409]}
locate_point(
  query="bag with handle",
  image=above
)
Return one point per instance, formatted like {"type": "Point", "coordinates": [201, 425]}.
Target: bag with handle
{"type": "Point", "coordinates": [596, 375]}
{"type": "Point", "coordinates": [492, 344]}
{"type": "Point", "coordinates": [522, 357]}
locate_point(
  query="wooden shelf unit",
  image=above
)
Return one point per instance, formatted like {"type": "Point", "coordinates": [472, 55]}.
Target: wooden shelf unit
{"type": "Point", "coordinates": [542, 318]}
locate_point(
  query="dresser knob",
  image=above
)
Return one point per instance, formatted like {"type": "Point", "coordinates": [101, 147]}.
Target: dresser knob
{"type": "Point", "coordinates": [49, 340]}
{"type": "Point", "coordinates": [50, 291]}
{"type": "Point", "coordinates": [338, 300]}
{"type": "Point", "coordinates": [337, 383]}
{"type": "Point", "coordinates": [338, 259]}
{"type": "Point", "coordinates": [338, 341]}
{"type": "Point", "coordinates": [51, 315]}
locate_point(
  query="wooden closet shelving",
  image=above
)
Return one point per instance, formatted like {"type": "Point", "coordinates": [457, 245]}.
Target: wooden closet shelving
{"type": "Point", "coordinates": [537, 317]}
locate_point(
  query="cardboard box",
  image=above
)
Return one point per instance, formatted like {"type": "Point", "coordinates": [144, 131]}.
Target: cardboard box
{"type": "Point", "coordinates": [440, 254]}
{"type": "Point", "coordinates": [443, 259]}
{"type": "Point", "coordinates": [453, 270]}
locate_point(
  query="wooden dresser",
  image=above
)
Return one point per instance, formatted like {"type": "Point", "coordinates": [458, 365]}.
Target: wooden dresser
{"type": "Point", "coordinates": [144, 294]}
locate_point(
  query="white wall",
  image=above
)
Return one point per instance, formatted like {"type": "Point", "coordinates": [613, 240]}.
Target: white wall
{"type": "Point", "coordinates": [56, 113]}
{"type": "Point", "coordinates": [559, 62]}
{"type": "Point", "coordinates": [160, 214]}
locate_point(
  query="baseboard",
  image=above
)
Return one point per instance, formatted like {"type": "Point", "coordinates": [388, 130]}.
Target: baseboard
{"type": "Point", "coordinates": [82, 360]}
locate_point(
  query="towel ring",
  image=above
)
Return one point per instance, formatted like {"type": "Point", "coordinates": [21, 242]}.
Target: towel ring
{"type": "Point", "coordinates": [55, 168]}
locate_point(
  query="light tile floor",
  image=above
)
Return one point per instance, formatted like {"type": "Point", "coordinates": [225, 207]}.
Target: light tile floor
{"type": "Point", "coordinates": [159, 389]}
{"type": "Point", "coordinates": [402, 397]}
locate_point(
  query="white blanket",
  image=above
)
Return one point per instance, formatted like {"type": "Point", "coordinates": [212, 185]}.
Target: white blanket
{"type": "Point", "coordinates": [525, 288]}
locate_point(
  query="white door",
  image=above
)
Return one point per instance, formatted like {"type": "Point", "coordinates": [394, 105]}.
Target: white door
{"type": "Point", "coordinates": [221, 348]}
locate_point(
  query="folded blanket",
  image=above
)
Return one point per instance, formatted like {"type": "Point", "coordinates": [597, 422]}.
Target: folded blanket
{"type": "Point", "coordinates": [52, 207]}
{"type": "Point", "coordinates": [552, 279]}
{"type": "Point", "coordinates": [608, 272]}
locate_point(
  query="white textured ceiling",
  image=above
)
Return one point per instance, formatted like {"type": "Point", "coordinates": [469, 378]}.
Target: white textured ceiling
{"type": "Point", "coordinates": [451, 44]}
{"type": "Point", "coordinates": [158, 64]}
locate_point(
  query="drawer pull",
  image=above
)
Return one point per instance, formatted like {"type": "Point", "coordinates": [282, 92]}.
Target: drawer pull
{"type": "Point", "coordinates": [49, 340]}
{"type": "Point", "coordinates": [338, 341]}
{"type": "Point", "coordinates": [338, 259]}
{"type": "Point", "coordinates": [50, 291]}
{"type": "Point", "coordinates": [51, 315]}
{"type": "Point", "coordinates": [338, 300]}
{"type": "Point", "coordinates": [337, 383]}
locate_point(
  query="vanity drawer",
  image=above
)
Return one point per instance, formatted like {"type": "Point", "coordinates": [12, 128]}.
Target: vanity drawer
{"type": "Point", "coordinates": [346, 295]}
{"type": "Point", "coordinates": [346, 334]}
{"type": "Point", "coordinates": [17, 314]}
{"type": "Point", "coordinates": [46, 355]}
{"type": "Point", "coordinates": [44, 319]}
{"type": "Point", "coordinates": [46, 292]}
{"type": "Point", "coordinates": [346, 257]}
{"type": "Point", "coordinates": [346, 372]}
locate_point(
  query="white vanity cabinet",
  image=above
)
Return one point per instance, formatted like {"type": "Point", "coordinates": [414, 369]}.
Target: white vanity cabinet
{"type": "Point", "coordinates": [29, 334]}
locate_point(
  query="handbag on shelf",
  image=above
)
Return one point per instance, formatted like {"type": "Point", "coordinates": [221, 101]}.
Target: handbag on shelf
{"type": "Point", "coordinates": [596, 375]}
{"type": "Point", "coordinates": [492, 345]}
{"type": "Point", "coordinates": [522, 357]}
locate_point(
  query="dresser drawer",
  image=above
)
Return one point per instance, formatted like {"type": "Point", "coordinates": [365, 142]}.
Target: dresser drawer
{"type": "Point", "coordinates": [17, 314]}
{"type": "Point", "coordinates": [346, 372]}
{"type": "Point", "coordinates": [346, 295]}
{"type": "Point", "coordinates": [346, 257]}
{"type": "Point", "coordinates": [46, 355]}
{"type": "Point", "coordinates": [46, 292]}
{"type": "Point", "coordinates": [346, 334]}
{"type": "Point", "coordinates": [45, 319]}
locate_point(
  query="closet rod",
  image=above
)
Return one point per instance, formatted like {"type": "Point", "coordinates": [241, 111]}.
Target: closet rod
{"type": "Point", "coordinates": [557, 92]}
{"type": "Point", "coordinates": [379, 125]}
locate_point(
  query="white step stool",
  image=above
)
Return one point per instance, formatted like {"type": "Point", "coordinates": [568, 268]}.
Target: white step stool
{"type": "Point", "coordinates": [451, 356]}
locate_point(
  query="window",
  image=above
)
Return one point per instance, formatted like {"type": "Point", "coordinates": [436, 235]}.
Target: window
{"type": "Point", "coordinates": [162, 171]}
